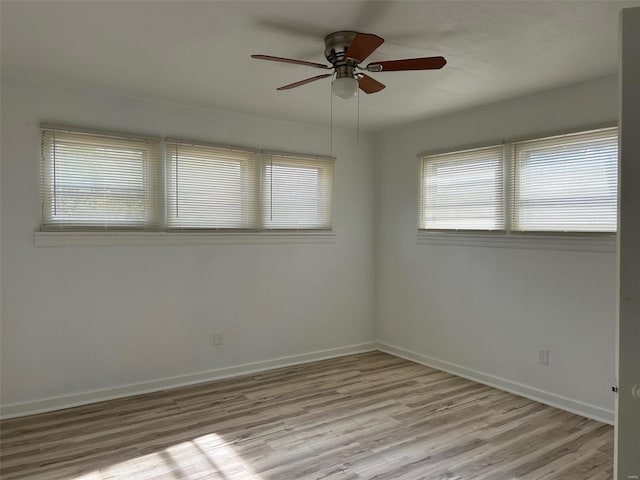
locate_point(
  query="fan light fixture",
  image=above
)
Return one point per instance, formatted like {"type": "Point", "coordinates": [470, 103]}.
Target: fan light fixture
{"type": "Point", "coordinates": [345, 87]}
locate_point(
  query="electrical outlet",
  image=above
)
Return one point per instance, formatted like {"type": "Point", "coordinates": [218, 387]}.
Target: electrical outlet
{"type": "Point", "coordinates": [543, 357]}
{"type": "Point", "coordinates": [217, 339]}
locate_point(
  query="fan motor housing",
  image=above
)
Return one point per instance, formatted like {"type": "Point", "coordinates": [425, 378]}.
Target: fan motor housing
{"type": "Point", "coordinates": [336, 45]}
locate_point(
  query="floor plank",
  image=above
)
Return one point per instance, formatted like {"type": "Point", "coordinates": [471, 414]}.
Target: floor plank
{"type": "Point", "coordinates": [367, 416]}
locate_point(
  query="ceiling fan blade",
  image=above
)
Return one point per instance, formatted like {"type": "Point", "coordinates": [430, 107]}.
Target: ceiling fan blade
{"type": "Point", "coordinates": [368, 84]}
{"type": "Point", "coordinates": [426, 63]}
{"type": "Point", "coordinates": [304, 82]}
{"type": "Point", "coordinates": [363, 45]}
{"type": "Point", "coordinates": [290, 60]}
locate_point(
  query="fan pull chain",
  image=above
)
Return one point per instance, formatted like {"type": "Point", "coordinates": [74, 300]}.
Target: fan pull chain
{"type": "Point", "coordinates": [331, 119]}
{"type": "Point", "coordinates": [358, 120]}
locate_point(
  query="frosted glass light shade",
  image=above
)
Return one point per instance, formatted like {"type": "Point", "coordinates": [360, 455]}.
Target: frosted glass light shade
{"type": "Point", "coordinates": [345, 87]}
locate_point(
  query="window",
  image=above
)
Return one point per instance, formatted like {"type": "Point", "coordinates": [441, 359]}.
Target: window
{"type": "Point", "coordinates": [565, 184]}
{"type": "Point", "coordinates": [296, 192]}
{"type": "Point", "coordinates": [97, 181]}
{"type": "Point", "coordinates": [463, 190]}
{"type": "Point", "coordinates": [107, 181]}
{"type": "Point", "coordinates": [211, 187]}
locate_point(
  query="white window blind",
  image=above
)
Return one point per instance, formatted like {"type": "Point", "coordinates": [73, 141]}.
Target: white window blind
{"type": "Point", "coordinates": [98, 181]}
{"type": "Point", "coordinates": [463, 190]}
{"type": "Point", "coordinates": [211, 187]}
{"type": "Point", "coordinates": [566, 183]}
{"type": "Point", "coordinates": [296, 192]}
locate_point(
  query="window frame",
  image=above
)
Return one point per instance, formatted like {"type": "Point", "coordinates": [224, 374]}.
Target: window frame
{"type": "Point", "coordinates": [324, 164]}
{"type": "Point", "coordinates": [581, 240]}
{"type": "Point", "coordinates": [152, 182]}
{"type": "Point", "coordinates": [161, 233]}
{"type": "Point", "coordinates": [254, 223]}
{"type": "Point", "coordinates": [423, 191]}
{"type": "Point", "coordinates": [515, 181]}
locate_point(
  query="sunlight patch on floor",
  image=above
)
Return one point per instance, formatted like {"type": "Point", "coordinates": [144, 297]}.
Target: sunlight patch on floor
{"type": "Point", "coordinates": [89, 476]}
{"type": "Point", "coordinates": [208, 456]}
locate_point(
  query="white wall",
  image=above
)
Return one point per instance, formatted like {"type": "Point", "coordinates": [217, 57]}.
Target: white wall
{"type": "Point", "coordinates": [485, 312]}
{"type": "Point", "coordinates": [78, 319]}
{"type": "Point", "coordinates": [628, 407]}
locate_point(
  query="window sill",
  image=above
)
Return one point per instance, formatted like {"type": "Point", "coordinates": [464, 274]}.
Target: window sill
{"type": "Point", "coordinates": [91, 239]}
{"type": "Point", "coordinates": [575, 243]}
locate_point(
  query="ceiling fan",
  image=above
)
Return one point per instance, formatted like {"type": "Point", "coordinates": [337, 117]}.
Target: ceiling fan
{"type": "Point", "coordinates": [345, 51]}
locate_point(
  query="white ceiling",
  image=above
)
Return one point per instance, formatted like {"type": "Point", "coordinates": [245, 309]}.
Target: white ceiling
{"type": "Point", "coordinates": [197, 52]}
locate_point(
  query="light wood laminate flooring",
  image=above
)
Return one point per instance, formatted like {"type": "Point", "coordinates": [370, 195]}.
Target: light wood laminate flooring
{"type": "Point", "coordinates": [367, 416]}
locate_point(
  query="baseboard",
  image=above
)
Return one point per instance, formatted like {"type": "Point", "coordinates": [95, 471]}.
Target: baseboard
{"type": "Point", "coordinates": [558, 401]}
{"type": "Point", "coordinates": [84, 398]}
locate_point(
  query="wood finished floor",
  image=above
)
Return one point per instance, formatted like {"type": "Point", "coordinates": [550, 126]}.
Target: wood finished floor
{"type": "Point", "coordinates": [368, 416]}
